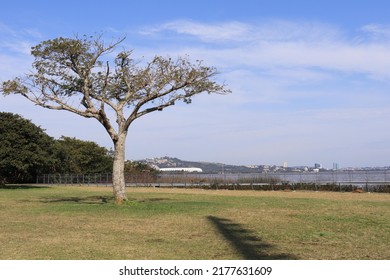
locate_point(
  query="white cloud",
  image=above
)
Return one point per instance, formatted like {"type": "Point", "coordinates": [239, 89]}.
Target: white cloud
{"type": "Point", "coordinates": [378, 31]}
{"type": "Point", "coordinates": [283, 44]}
{"type": "Point", "coordinates": [18, 41]}
{"type": "Point", "coordinates": [276, 30]}
{"type": "Point", "coordinates": [15, 49]}
{"type": "Point", "coordinates": [229, 31]}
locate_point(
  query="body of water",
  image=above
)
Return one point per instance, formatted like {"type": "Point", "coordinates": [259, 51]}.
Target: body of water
{"type": "Point", "coordinates": [344, 177]}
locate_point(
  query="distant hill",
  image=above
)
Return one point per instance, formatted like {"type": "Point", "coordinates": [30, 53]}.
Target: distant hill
{"type": "Point", "coordinates": [207, 167]}
{"type": "Point", "coordinates": [212, 167]}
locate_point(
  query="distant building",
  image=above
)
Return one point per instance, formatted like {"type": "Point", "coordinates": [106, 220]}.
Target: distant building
{"type": "Point", "coordinates": [317, 165]}
{"type": "Point", "coordinates": [335, 166]}
{"type": "Point", "coordinates": [181, 169]}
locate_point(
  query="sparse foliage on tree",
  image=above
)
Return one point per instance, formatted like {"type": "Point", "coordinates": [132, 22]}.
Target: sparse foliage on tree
{"type": "Point", "coordinates": [79, 75]}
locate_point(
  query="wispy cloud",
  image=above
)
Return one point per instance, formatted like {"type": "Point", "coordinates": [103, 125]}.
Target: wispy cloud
{"type": "Point", "coordinates": [280, 61]}
{"type": "Point", "coordinates": [15, 48]}
{"type": "Point", "coordinates": [18, 41]}
{"type": "Point", "coordinates": [313, 47]}
{"type": "Point", "coordinates": [229, 31]}
{"type": "Point", "coordinates": [378, 31]}
{"type": "Point", "coordinates": [275, 30]}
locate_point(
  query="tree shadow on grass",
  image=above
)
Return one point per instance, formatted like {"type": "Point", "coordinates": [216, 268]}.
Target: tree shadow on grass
{"type": "Point", "coordinates": [245, 242]}
{"type": "Point", "coordinates": [97, 199]}
{"type": "Point", "coordinates": [22, 187]}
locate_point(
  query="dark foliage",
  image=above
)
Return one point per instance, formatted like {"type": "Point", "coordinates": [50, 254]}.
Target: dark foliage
{"type": "Point", "coordinates": [25, 150]}
{"type": "Point", "coordinates": [81, 157]}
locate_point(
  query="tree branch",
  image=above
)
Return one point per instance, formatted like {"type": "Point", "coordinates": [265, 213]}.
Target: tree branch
{"type": "Point", "coordinates": [70, 70]}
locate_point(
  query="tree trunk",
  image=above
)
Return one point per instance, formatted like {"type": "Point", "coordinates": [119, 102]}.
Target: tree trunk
{"type": "Point", "coordinates": [118, 176]}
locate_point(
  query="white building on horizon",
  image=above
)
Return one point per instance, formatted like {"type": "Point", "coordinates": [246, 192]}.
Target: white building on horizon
{"type": "Point", "coordinates": [181, 169]}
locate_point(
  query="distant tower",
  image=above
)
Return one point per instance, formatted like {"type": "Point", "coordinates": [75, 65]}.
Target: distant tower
{"type": "Point", "coordinates": [285, 164]}
{"type": "Point", "coordinates": [335, 166]}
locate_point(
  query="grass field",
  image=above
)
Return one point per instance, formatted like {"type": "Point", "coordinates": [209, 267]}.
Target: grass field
{"type": "Point", "coordinates": [83, 223]}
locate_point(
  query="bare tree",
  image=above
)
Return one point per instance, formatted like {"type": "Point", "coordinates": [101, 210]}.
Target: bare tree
{"type": "Point", "coordinates": [71, 74]}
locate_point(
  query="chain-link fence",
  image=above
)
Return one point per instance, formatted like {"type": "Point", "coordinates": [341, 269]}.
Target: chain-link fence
{"type": "Point", "coordinates": [70, 179]}
{"type": "Point", "coordinates": [374, 181]}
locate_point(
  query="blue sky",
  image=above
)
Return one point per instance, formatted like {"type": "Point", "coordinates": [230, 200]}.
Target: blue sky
{"type": "Point", "coordinates": [310, 80]}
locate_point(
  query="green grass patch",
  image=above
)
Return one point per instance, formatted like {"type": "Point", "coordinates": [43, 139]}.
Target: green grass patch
{"type": "Point", "coordinates": [65, 222]}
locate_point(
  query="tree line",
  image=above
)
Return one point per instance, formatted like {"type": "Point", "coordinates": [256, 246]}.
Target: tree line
{"type": "Point", "coordinates": [27, 151]}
